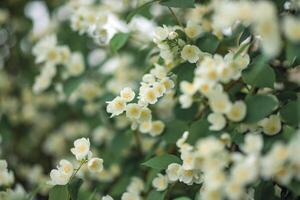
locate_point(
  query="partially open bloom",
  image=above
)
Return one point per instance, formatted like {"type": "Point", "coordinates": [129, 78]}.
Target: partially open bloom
{"type": "Point", "coordinates": [62, 174]}
{"type": "Point", "coordinates": [190, 53]}
{"type": "Point", "coordinates": [127, 94]}
{"type": "Point", "coordinates": [160, 182]}
{"type": "Point", "coordinates": [271, 125]}
{"type": "Point", "coordinates": [237, 111]}
{"type": "Point", "coordinates": [116, 106]}
{"type": "Point", "coordinates": [95, 165]}
{"type": "Point", "coordinates": [81, 148]}
{"type": "Point", "coordinates": [217, 121]}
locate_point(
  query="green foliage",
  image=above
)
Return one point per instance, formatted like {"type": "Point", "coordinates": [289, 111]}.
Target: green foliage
{"type": "Point", "coordinates": [290, 113]}
{"type": "Point", "coordinates": [199, 129]}
{"type": "Point", "coordinates": [118, 41]}
{"type": "Point", "coordinates": [295, 187]}
{"type": "Point", "coordinates": [74, 187]}
{"type": "Point", "coordinates": [178, 3]}
{"type": "Point", "coordinates": [259, 107]}
{"type": "Point", "coordinates": [208, 43]}
{"type": "Point", "coordinates": [59, 192]}
{"type": "Point", "coordinates": [259, 74]}
{"type": "Point", "coordinates": [72, 84]}
{"type": "Point", "coordinates": [265, 191]}
{"type": "Point", "coordinates": [120, 186]}
{"type": "Point", "coordinates": [182, 198]}
{"type": "Point", "coordinates": [186, 114]}
{"type": "Point", "coordinates": [174, 130]}
{"type": "Point", "coordinates": [155, 195]}
{"type": "Point", "coordinates": [139, 10]}
{"type": "Point", "coordinates": [292, 53]}
{"type": "Point", "coordinates": [162, 162]}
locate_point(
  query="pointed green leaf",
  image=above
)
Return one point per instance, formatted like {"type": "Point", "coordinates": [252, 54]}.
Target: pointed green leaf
{"type": "Point", "coordinates": [162, 162]}
{"type": "Point", "coordinates": [118, 41]}
{"type": "Point", "coordinates": [59, 192]}
{"type": "Point", "coordinates": [259, 107]}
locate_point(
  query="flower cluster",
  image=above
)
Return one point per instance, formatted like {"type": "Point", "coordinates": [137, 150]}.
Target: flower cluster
{"type": "Point", "coordinates": [210, 74]}
{"type": "Point", "coordinates": [51, 55]}
{"type": "Point", "coordinates": [6, 177]}
{"type": "Point", "coordinates": [65, 170]}
{"type": "Point", "coordinates": [154, 85]}
{"type": "Point", "coordinates": [207, 163]}
{"type": "Point", "coordinates": [249, 13]}
{"type": "Point", "coordinates": [98, 24]}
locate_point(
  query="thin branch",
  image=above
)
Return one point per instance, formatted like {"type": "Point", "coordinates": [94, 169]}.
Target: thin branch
{"type": "Point", "coordinates": [175, 17]}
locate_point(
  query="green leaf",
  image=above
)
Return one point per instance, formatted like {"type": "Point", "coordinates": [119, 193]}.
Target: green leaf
{"type": "Point", "coordinates": [59, 192]}
{"type": "Point", "coordinates": [200, 129]}
{"type": "Point", "coordinates": [121, 141]}
{"type": "Point", "coordinates": [74, 186]}
{"type": "Point", "coordinates": [72, 84]}
{"type": "Point", "coordinates": [118, 41]}
{"type": "Point", "coordinates": [259, 106]}
{"type": "Point", "coordinates": [178, 3]}
{"type": "Point", "coordinates": [292, 53]}
{"type": "Point", "coordinates": [186, 114]}
{"type": "Point", "coordinates": [155, 195]}
{"type": "Point", "coordinates": [294, 187]}
{"type": "Point", "coordinates": [162, 162]}
{"type": "Point", "coordinates": [208, 43]}
{"type": "Point", "coordinates": [265, 188]}
{"type": "Point", "coordinates": [174, 131]}
{"type": "Point", "coordinates": [182, 198]}
{"type": "Point", "coordinates": [120, 186]}
{"type": "Point", "coordinates": [259, 74]}
{"type": "Point", "coordinates": [290, 113]}
{"type": "Point", "coordinates": [139, 10]}
{"type": "Point", "coordinates": [184, 72]}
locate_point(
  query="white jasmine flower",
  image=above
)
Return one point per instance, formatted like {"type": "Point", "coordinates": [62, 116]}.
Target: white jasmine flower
{"type": "Point", "coordinates": [157, 128]}
{"type": "Point", "coordinates": [6, 177]}
{"type": "Point", "coordinates": [180, 142]}
{"type": "Point", "coordinates": [159, 89]}
{"type": "Point", "coordinates": [173, 171]}
{"type": "Point", "coordinates": [127, 94]}
{"type": "Point", "coordinates": [168, 83]}
{"type": "Point", "coordinates": [62, 174]}
{"type": "Point", "coordinates": [136, 185]}
{"type": "Point", "coordinates": [237, 111]}
{"type": "Point", "coordinates": [145, 127]}
{"type": "Point", "coordinates": [193, 30]}
{"type": "Point", "coordinates": [95, 165]}
{"type": "Point", "coordinates": [187, 88]}
{"type": "Point", "coordinates": [133, 111]}
{"type": "Point", "coordinates": [217, 120]}
{"type": "Point", "coordinates": [159, 71]}
{"type": "Point", "coordinates": [191, 53]}
{"type": "Point", "coordinates": [149, 96]}
{"type": "Point", "coordinates": [219, 102]}
{"type": "Point", "coordinates": [271, 125]}
{"type": "Point", "coordinates": [253, 144]}
{"type": "Point", "coordinates": [107, 197]}
{"type": "Point", "coordinates": [291, 27]}
{"type": "Point", "coordinates": [160, 183]}
{"type": "Point", "coordinates": [148, 78]}
{"type": "Point", "coordinates": [116, 106]}
{"type": "Point", "coordinates": [130, 196]}
{"type": "Point", "coordinates": [145, 115]}
{"type": "Point", "coordinates": [186, 176]}
{"type": "Point", "coordinates": [81, 148]}
{"type": "Point", "coordinates": [185, 101]}
{"type": "Point", "coordinates": [75, 66]}
{"type": "Point", "coordinates": [161, 33]}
